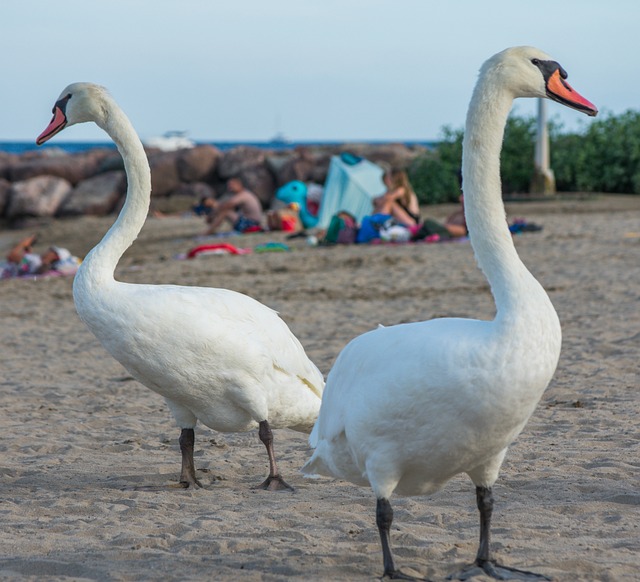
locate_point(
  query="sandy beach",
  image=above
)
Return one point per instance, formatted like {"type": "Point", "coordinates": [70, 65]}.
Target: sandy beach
{"type": "Point", "coordinates": [85, 448]}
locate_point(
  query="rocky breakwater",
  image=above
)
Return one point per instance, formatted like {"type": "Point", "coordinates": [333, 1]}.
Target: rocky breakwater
{"type": "Point", "coordinates": [52, 183]}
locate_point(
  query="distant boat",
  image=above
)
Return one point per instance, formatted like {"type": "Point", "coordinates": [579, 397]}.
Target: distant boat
{"type": "Point", "coordinates": [279, 139]}
{"type": "Point", "coordinates": [170, 141]}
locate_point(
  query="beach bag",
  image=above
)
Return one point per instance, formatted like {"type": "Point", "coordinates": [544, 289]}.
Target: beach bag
{"type": "Point", "coordinates": [342, 229]}
{"type": "Point", "coordinates": [395, 233]}
{"type": "Point", "coordinates": [371, 226]}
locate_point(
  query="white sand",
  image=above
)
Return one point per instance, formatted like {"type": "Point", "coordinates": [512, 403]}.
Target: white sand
{"type": "Point", "coordinates": [81, 440]}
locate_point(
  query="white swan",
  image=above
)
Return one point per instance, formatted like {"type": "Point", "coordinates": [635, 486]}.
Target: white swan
{"type": "Point", "coordinates": [215, 355]}
{"type": "Point", "coordinates": [408, 407]}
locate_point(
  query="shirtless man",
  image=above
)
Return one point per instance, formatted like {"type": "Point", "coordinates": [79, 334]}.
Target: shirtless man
{"type": "Point", "coordinates": [242, 209]}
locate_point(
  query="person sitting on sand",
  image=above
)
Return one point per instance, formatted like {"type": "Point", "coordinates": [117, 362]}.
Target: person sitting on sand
{"type": "Point", "coordinates": [21, 260]}
{"type": "Point", "coordinates": [454, 226]}
{"type": "Point", "coordinates": [397, 209]}
{"type": "Point", "coordinates": [242, 209]}
{"type": "Point", "coordinates": [399, 201]}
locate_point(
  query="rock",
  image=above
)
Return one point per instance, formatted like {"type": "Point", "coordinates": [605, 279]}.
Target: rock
{"type": "Point", "coordinates": [51, 151]}
{"type": "Point", "coordinates": [7, 161]}
{"type": "Point", "coordinates": [278, 160]}
{"type": "Point", "coordinates": [97, 196]}
{"type": "Point", "coordinates": [320, 169]}
{"type": "Point", "coordinates": [72, 167]}
{"type": "Point", "coordinates": [204, 166]}
{"type": "Point", "coordinates": [164, 172]}
{"type": "Point", "coordinates": [111, 162]}
{"type": "Point", "coordinates": [250, 165]}
{"type": "Point", "coordinates": [5, 188]}
{"type": "Point", "coordinates": [306, 165]}
{"type": "Point", "coordinates": [183, 198]}
{"type": "Point", "coordinates": [39, 196]}
{"type": "Point", "coordinates": [396, 155]}
{"type": "Point", "coordinates": [298, 166]}
{"type": "Point", "coordinates": [198, 164]}
{"type": "Point", "coordinates": [240, 159]}
{"type": "Point", "coordinates": [261, 182]}
{"type": "Point", "coordinates": [194, 191]}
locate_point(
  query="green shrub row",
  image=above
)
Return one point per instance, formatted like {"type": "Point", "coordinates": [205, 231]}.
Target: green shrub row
{"type": "Point", "coordinates": [603, 157]}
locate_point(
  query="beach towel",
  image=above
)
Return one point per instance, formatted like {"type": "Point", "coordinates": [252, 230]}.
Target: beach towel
{"type": "Point", "coordinates": [216, 249]}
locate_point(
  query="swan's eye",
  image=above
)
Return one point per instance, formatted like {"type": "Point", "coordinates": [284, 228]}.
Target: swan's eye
{"type": "Point", "coordinates": [62, 103]}
{"type": "Point", "coordinates": [536, 62]}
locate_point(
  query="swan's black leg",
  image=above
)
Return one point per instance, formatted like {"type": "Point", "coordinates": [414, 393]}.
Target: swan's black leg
{"type": "Point", "coordinates": [484, 500]}
{"type": "Point", "coordinates": [484, 563]}
{"type": "Point", "coordinates": [188, 472]}
{"type": "Point", "coordinates": [384, 518]}
{"type": "Point", "coordinates": [274, 482]}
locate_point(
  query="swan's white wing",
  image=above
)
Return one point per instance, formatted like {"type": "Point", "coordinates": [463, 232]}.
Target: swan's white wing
{"type": "Point", "coordinates": [387, 386]}
{"type": "Point", "coordinates": [273, 339]}
{"type": "Point", "coordinates": [209, 345]}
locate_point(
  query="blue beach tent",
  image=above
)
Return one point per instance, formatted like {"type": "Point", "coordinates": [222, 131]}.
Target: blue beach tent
{"type": "Point", "coordinates": [352, 184]}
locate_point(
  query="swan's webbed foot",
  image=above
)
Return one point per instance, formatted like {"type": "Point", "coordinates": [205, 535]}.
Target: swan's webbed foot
{"type": "Point", "coordinates": [495, 571]}
{"type": "Point", "coordinates": [483, 564]}
{"type": "Point", "coordinates": [178, 485]}
{"type": "Point", "coordinates": [384, 519]}
{"type": "Point", "coordinates": [397, 575]}
{"type": "Point", "coordinates": [186, 482]}
{"type": "Point", "coordinates": [274, 482]}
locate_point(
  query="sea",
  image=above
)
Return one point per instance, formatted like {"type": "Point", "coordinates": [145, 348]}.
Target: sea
{"type": "Point", "coordinates": [20, 147]}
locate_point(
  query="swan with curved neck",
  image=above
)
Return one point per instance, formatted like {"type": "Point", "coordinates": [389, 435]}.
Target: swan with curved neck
{"type": "Point", "coordinates": [408, 407]}
{"type": "Point", "coordinates": [217, 356]}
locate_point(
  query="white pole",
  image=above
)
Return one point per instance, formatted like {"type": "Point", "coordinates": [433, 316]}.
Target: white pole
{"type": "Point", "coordinates": [543, 180]}
{"type": "Point", "coordinates": [542, 142]}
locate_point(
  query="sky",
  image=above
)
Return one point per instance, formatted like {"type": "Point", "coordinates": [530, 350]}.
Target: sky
{"type": "Point", "coordinates": [315, 70]}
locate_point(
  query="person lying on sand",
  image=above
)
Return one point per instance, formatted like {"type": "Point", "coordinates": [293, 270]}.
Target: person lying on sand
{"type": "Point", "coordinates": [455, 226]}
{"type": "Point", "coordinates": [21, 260]}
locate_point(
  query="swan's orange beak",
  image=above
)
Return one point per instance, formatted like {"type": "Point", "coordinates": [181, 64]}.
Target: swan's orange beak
{"type": "Point", "coordinates": [56, 125]}
{"type": "Point", "coordinates": [559, 90]}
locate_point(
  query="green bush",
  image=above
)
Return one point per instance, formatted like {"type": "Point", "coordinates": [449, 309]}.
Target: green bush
{"type": "Point", "coordinates": [603, 157]}
{"type": "Point", "coordinates": [517, 157]}
{"type": "Point", "coordinates": [435, 175]}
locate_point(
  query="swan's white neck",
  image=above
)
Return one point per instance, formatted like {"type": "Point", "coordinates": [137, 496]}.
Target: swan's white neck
{"type": "Point", "coordinates": [511, 283]}
{"type": "Point", "coordinates": [101, 262]}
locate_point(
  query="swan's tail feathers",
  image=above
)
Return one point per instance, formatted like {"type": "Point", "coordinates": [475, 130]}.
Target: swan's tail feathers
{"type": "Point", "coordinates": [324, 462]}
{"type": "Point", "coordinates": [312, 476]}
{"type": "Point", "coordinates": [320, 462]}
{"type": "Point", "coordinates": [315, 467]}
{"type": "Point", "coordinates": [313, 437]}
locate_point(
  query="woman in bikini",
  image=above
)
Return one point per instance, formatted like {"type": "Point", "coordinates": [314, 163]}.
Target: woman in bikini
{"type": "Point", "coordinates": [399, 201]}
